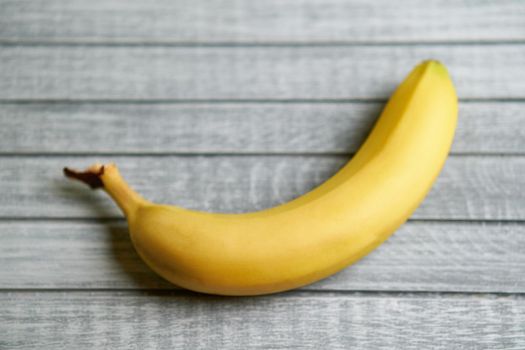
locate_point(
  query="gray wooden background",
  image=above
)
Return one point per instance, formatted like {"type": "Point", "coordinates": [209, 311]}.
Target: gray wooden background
{"type": "Point", "coordinates": [241, 105]}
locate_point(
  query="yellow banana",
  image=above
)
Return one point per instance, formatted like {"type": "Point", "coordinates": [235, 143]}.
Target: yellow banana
{"type": "Point", "coordinates": [317, 234]}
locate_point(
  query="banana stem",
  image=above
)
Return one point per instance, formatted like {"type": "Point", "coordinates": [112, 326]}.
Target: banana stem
{"type": "Point", "coordinates": [108, 177]}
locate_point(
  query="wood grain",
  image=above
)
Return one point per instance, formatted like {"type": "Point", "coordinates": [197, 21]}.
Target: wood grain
{"type": "Point", "coordinates": [241, 128]}
{"type": "Point", "coordinates": [249, 73]}
{"type": "Point", "coordinates": [171, 321]}
{"type": "Point", "coordinates": [421, 256]}
{"type": "Point", "coordinates": [257, 99]}
{"type": "Point", "coordinates": [298, 21]}
{"type": "Point", "coordinates": [469, 188]}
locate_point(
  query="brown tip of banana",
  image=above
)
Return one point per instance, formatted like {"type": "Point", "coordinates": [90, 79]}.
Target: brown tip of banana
{"type": "Point", "coordinates": [92, 176]}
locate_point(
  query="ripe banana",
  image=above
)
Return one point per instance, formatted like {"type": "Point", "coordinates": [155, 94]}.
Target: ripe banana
{"type": "Point", "coordinates": [317, 234]}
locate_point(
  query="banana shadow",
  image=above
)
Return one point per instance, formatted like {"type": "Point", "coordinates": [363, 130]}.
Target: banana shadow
{"type": "Point", "coordinates": [139, 275]}
{"type": "Point", "coordinates": [125, 256]}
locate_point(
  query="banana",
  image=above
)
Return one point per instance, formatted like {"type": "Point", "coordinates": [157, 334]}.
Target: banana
{"type": "Point", "coordinates": [317, 234]}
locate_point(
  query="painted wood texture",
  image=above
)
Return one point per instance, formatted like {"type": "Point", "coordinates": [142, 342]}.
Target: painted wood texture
{"type": "Point", "coordinates": [172, 321]}
{"type": "Point", "coordinates": [469, 188]}
{"type": "Point", "coordinates": [246, 73]}
{"type": "Point", "coordinates": [421, 256]}
{"type": "Point", "coordinates": [237, 106]}
{"type": "Point", "coordinates": [240, 128]}
{"type": "Point", "coordinates": [297, 21]}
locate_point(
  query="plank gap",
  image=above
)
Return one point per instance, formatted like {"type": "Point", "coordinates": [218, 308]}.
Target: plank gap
{"type": "Point", "coordinates": [85, 42]}
{"type": "Point", "coordinates": [329, 293]}
{"type": "Point", "coordinates": [122, 219]}
{"type": "Point", "coordinates": [262, 101]}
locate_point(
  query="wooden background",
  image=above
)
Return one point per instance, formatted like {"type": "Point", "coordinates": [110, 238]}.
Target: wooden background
{"type": "Point", "coordinates": [241, 105]}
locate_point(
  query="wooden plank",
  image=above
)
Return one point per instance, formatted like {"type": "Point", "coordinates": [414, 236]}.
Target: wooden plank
{"type": "Point", "coordinates": [421, 256]}
{"type": "Point", "coordinates": [484, 127]}
{"type": "Point", "coordinates": [238, 21]}
{"type": "Point", "coordinates": [470, 188]}
{"type": "Point", "coordinates": [172, 321]}
{"type": "Point", "coordinates": [204, 73]}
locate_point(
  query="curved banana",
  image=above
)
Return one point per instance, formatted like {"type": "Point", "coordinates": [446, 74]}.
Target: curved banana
{"type": "Point", "coordinates": [317, 234]}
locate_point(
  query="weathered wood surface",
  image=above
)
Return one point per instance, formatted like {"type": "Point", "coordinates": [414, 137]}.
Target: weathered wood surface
{"type": "Point", "coordinates": [421, 256]}
{"type": "Point", "coordinates": [259, 73]}
{"type": "Point", "coordinates": [160, 128]}
{"type": "Point", "coordinates": [236, 106]}
{"type": "Point", "coordinates": [135, 320]}
{"type": "Point", "coordinates": [469, 188]}
{"type": "Point", "coordinates": [222, 21]}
